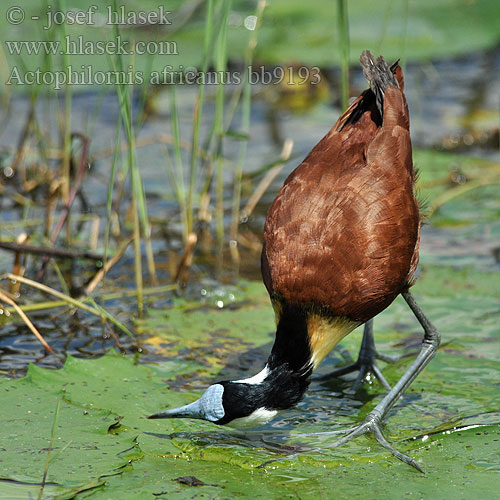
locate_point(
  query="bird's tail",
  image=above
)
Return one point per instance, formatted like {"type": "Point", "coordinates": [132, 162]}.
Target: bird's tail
{"type": "Point", "coordinates": [379, 75]}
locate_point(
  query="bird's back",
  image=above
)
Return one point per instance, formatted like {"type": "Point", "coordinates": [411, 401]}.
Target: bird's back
{"type": "Point", "coordinates": [343, 232]}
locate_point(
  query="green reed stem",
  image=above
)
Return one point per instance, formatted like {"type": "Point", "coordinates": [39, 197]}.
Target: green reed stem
{"type": "Point", "coordinates": [111, 318]}
{"type": "Point", "coordinates": [126, 120]}
{"type": "Point", "coordinates": [138, 197]}
{"type": "Point", "coordinates": [66, 173]}
{"type": "Point", "coordinates": [220, 66]}
{"type": "Point", "coordinates": [51, 446]}
{"type": "Point", "coordinates": [137, 257]}
{"type": "Point", "coordinates": [197, 116]}
{"type": "Point", "coordinates": [54, 304]}
{"type": "Point", "coordinates": [343, 31]}
{"type": "Point", "coordinates": [385, 25]}
{"type": "Point", "coordinates": [60, 276]}
{"type": "Point", "coordinates": [109, 194]}
{"type": "Point", "coordinates": [111, 186]}
{"type": "Point", "coordinates": [68, 300]}
{"type": "Point", "coordinates": [180, 185]}
{"type": "Point", "coordinates": [245, 123]}
{"type": "Point", "coordinates": [404, 35]}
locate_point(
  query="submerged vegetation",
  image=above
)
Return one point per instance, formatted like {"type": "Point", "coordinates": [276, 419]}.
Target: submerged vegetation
{"type": "Point", "coordinates": [131, 218]}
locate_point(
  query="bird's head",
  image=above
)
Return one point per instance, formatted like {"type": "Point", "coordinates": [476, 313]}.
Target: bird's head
{"type": "Point", "coordinates": [237, 404]}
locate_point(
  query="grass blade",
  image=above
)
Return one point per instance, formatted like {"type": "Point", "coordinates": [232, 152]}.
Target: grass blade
{"type": "Point", "coordinates": [245, 130]}
{"type": "Point", "coordinates": [69, 300]}
{"type": "Point", "coordinates": [343, 31]}
{"type": "Point", "coordinates": [209, 25]}
{"type": "Point", "coordinates": [49, 451]}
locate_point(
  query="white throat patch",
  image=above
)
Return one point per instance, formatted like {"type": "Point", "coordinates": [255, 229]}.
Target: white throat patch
{"type": "Point", "coordinates": [259, 417]}
{"type": "Point", "coordinates": [256, 379]}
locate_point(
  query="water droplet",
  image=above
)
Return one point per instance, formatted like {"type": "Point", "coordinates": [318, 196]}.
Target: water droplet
{"type": "Point", "coordinates": [250, 22]}
{"type": "Point", "coordinates": [8, 172]}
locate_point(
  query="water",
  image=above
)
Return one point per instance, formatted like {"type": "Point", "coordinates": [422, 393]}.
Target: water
{"type": "Point", "coordinates": [453, 104]}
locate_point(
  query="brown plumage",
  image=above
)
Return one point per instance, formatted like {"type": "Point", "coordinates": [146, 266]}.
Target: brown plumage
{"type": "Point", "coordinates": [342, 235]}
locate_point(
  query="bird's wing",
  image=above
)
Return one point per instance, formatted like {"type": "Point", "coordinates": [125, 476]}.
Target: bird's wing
{"type": "Point", "coordinates": [342, 231]}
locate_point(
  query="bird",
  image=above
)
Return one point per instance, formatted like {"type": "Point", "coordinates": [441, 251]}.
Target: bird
{"type": "Point", "coordinates": [341, 242]}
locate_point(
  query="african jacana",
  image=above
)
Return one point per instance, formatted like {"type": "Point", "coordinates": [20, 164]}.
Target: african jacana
{"type": "Point", "coordinates": [341, 243]}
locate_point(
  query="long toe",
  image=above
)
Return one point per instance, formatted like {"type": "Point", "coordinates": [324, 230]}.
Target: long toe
{"type": "Point", "coordinates": [339, 372]}
{"type": "Point", "coordinates": [364, 368]}
{"type": "Point", "coordinates": [380, 377]}
{"type": "Point", "coordinates": [371, 425]}
{"type": "Point", "coordinates": [377, 432]}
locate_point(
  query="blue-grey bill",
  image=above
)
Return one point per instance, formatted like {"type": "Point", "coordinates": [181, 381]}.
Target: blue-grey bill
{"type": "Point", "coordinates": [208, 407]}
{"type": "Point", "coordinates": [192, 410]}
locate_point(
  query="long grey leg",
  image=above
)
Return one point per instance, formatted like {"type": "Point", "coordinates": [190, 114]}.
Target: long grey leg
{"type": "Point", "coordinates": [430, 344]}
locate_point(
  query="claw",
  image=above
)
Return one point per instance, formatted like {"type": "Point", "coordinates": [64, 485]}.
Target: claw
{"type": "Point", "coordinates": [372, 425]}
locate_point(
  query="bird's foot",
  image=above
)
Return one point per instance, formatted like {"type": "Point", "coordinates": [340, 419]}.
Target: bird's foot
{"type": "Point", "coordinates": [372, 425]}
{"type": "Point", "coordinates": [365, 366]}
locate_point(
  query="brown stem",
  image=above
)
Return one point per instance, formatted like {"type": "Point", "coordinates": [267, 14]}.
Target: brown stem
{"type": "Point", "coordinates": [26, 320]}
{"type": "Point", "coordinates": [71, 198]}
{"type": "Point", "coordinates": [49, 251]}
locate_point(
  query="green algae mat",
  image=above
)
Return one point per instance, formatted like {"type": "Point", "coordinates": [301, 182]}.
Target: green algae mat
{"type": "Point", "coordinates": [103, 446]}
{"type": "Point", "coordinates": [82, 430]}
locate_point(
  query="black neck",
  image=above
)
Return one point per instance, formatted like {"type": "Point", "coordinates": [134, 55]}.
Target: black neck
{"type": "Point", "coordinates": [289, 363]}
{"type": "Point", "coordinates": [291, 347]}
